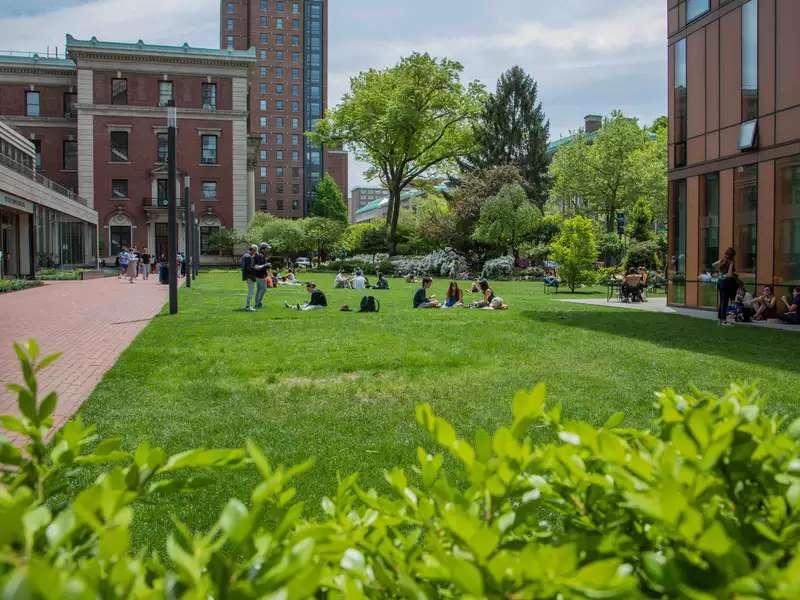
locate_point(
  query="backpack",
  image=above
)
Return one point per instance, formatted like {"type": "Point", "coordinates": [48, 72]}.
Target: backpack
{"type": "Point", "coordinates": [369, 304]}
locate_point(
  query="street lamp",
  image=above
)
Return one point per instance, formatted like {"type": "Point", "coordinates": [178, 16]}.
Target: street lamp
{"type": "Point", "coordinates": [187, 255]}
{"type": "Point", "coordinates": [196, 242]}
{"type": "Point", "coordinates": [172, 214]}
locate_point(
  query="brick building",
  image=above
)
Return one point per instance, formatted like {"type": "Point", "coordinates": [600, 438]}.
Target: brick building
{"type": "Point", "coordinates": [288, 94]}
{"type": "Point", "coordinates": [361, 196]}
{"type": "Point", "coordinates": [734, 141]}
{"type": "Point", "coordinates": [98, 123]}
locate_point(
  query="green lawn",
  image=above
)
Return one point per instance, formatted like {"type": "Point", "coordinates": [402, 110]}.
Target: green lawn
{"type": "Point", "coordinates": [342, 386]}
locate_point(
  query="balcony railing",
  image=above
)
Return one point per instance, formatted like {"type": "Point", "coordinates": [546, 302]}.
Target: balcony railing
{"type": "Point", "coordinates": [158, 203]}
{"type": "Point", "coordinates": [33, 175]}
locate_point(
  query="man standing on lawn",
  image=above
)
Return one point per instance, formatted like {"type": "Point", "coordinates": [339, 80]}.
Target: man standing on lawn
{"type": "Point", "coordinates": [262, 269]}
{"type": "Point", "coordinates": [249, 275]}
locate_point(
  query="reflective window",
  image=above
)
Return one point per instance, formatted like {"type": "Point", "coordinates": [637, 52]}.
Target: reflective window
{"type": "Point", "coordinates": [32, 104]}
{"type": "Point", "coordinates": [209, 149]}
{"type": "Point", "coordinates": [696, 8]}
{"type": "Point", "coordinates": [750, 60]}
{"type": "Point", "coordinates": [745, 221]}
{"type": "Point", "coordinates": [787, 221]}
{"type": "Point", "coordinates": [162, 147]}
{"type": "Point", "coordinates": [164, 92]}
{"type": "Point", "coordinates": [119, 146]}
{"type": "Point", "coordinates": [71, 155]}
{"type": "Point", "coordinates": [677, 266]}
{"type": "Point", "coordinates": [680, 91]}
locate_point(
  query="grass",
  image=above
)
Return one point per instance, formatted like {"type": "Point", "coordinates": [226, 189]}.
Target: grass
{"type": "Point", "coordinates": [342, 386]}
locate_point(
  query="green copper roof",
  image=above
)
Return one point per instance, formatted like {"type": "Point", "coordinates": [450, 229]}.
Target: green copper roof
{"type": "Point", "coordinates": [405, 195]}
{"type": "Point", "coordinates": [35, 59]}
{"type": "Point", "coordinates": [140, 46]}
{"type": "Point", "coordinates": [556, 144]}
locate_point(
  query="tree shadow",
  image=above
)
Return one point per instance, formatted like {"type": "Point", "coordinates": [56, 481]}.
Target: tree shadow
{"type": "Point", "coordinates": [762, 347]}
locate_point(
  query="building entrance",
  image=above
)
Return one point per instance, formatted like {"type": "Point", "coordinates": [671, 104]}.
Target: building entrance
{"type": "Point", "coordinates": [9, 243]}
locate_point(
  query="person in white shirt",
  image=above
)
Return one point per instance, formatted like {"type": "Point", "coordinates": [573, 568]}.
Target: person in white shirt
{"type": "Point", "coordinates": [359, 281]}
{"type": "Point", "coordinates": [341, 281]}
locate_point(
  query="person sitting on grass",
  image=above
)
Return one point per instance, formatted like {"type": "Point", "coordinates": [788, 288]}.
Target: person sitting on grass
{"type": "Point", "coordinates": [359, 281]}
{"type": "Point", "coordinates": [421, 299]}
{"type": "Point", "coordinates": [488, 295]}
{"type": "Point", "coordinates": [454, 297]}
{"type": "Point", "coordinates": [497, 304]}
{"type": "Point", "coordinates": [792, 316]}
{"type": "Point", "coordinates": [341, 281]}
{"type": "Point", "coordinates": [766, 305]}
{"type": "Point", "coordinates": [317, 301]}
{"type": "Point", "coordinates": [744, 304]}
{"type": "Point", "coordinates": [383, 283]}
{"type": "Point", "coordinates": [476, 287]}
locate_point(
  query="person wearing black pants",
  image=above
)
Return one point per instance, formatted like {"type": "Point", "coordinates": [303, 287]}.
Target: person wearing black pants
{"type": "Point", "coordinates": [727, 284]}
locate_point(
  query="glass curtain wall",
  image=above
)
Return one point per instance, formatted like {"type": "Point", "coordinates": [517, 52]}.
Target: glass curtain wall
{"type": "Point", "coordinates": [312, 92]}
{"type": "Point", "coordinates": [787, 222]}
{"type": "Point", "coordinates": [745, 222]}
{"type": "Point", "coordinates": [709, 238]}
{"type": "Point", "coordinates": [61, 241]}
{"type": "Point", "coordinates": [677, 266]}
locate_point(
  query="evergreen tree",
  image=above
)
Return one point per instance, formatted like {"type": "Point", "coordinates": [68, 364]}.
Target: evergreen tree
{"type": "Point", "coordinates": [513, 130]}
{"type": "Point", "coordinates": [328, 200]}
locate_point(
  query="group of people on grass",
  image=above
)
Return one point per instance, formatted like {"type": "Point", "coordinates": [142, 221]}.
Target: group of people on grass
{"type": "Point", "coordinates": [737, 304]}
{"type": "Point", "coordinates": [358, 281]}
{"type": "Point", "coordinates": [258, 274]}
{"type": "Point", "coordinates": [455, 296]}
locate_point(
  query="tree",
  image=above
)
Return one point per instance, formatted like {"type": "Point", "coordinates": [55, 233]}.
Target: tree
{"type": "Point", "coordinates": [575, 251]}
{"type": "Point", "coordinates": [319, 234]}
{"type": "Point", "coordinates": [284, 235]}
{"type": "Point", "coordinates": [507, 220]}
{"type": "Point", "coordinates": [328, 200]}
{"type": "Point", "coordinates": [608, 171]}
{"type": "Point", "coordinates": [513, 130]}
{"type": "Point", "coordinates": [408, 121]}
{"type": "Point", "coordinates": [640, 221]}
{"type": "Point", "coordinates": [224, 242]}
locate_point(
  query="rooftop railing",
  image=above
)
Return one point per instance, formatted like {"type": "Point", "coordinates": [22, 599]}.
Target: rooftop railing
{"type": "Point", "coordinates": [33, 175]}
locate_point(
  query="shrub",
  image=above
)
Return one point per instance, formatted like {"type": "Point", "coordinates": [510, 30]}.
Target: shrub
{"type": "Point", "coordinates": [58, 274]}
{"type": "Point", "coordinates": [606, 275]}
{"type": "Point", "coordinates": [612, 249]}
{"type": "Point", "coordinates": [643, 254]}
{"type": "Point", "coordinates": [14, 285]}
{"type": "Point", "coordinates": [704, 504]}
{"type": "Point", "coordinates": [575, 251]}
{"type": "Point", "coordinates": [498, 268]}
{"type": "Point", "coordinates": [440, 263]}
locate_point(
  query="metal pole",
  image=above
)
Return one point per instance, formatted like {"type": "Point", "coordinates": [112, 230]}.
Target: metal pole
{"type": "Point", "coordinates": [172, 221]}
{"type": "Point", "coordinates": [196, 240]}
{"type": "Point", "coordinates": [187, 254]}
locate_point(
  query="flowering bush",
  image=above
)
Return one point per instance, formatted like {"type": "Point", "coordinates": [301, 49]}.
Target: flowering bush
{"type": "Point", "coordinates": [703, 505]}
{"type": "Point", "coordinates": [443, 263]}
{"type": "Point", "coordinates": [498, 268]}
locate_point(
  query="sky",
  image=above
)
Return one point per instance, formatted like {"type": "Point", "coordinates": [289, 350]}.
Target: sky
{"type": "Point", "coordinates": [588, 56]}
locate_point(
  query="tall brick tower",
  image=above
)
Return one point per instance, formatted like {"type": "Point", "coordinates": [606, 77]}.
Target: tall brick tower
{"type": "Point", "coordinates": [288, 94]}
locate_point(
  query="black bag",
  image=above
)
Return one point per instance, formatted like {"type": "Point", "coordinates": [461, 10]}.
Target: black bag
{"type": "Point", "coordinates": [369, 304]}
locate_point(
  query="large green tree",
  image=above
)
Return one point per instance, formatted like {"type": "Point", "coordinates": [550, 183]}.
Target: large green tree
{"type": "Point", "coordinates": [608, 171]}
{"type": "Point", "coordinates": [575, 251]}
{"type": "Point", "coordinates": [328, 200]}
{"type": "Point", "coordinates": [321, 234]}
{"type": "Point", "coordinates": [507, 220]}
{"type": "Point", "coordinates": [408, 121]}
{"type": "Point", "coordinates": [513, 130]}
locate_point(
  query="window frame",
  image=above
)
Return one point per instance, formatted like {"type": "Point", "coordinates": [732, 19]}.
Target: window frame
{"type": "Point", "coordinates": [28, 105]}
{"type": "Point", "coordinates": [119, 97]}
{"type": "Point", "coordinates": [114, 184]}
{"type": "Point", "coordinates": [205, 86]}
{"type": "Point", "coordinates": [127, 156]}
{"type": "Point", "coordinates": [207, 159]}
{"type": "Point", "coordinates": [206, 197]}
{"type": "Point", "coordinates": [74, 155]}
{"type": "Point", "coordinates": [162, 83]}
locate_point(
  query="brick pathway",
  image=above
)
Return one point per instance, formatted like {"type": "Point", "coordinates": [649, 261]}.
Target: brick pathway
{"type": "Point", "coordinates": [91, 322]}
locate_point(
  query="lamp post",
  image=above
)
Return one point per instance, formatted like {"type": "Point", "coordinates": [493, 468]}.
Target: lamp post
{"type": "Point", "coordinates": [187, 215]}
{"type": "Point", "coordinates": [172, 213]}
{"type": "Point", "coordinates": [196, 242]}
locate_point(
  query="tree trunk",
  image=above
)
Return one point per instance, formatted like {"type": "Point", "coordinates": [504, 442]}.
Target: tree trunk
{"type": "Point", "coordinates": [392, 217]}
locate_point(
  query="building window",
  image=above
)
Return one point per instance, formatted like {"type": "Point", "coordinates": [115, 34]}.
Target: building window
{"type": "Point", "coordinates": [262, 88]}
{"type": "Point", "coordinates": [231, 8]}
{"type": "Point", "coordinates": [70, 162]}
{"type": "Point", "coordinates": [263, 38]}
{"type": "Point", "coordinates": [787, 221]}
{"type": "Point", "coordinates": [229, 41]}
{"type": "Point", "coordinates": [279, 72]}
{"type": "Point", "coordinates": [279, 139]}
{"type": "Point", "coordinates": [209, 94]}
{"type": "Point", "coordinates": [279, 155]}
{"type": "Point", "coordinates": [295, 172]}
{"type": "Point", "coordinates": [32, 104]}
{"type": "Point", "coordinates": [295, 57]}
{"type": "Point", "coordinates": [119, 146]}
{"type": "Point", "coordinates": [262, 121]}
{"type": "Point", "coordinates": [164, 92]}
{"type": "Point", "coordinates": [262, 155]}
{"type": "Point", "coordinates": [162, 187]}
{"type": "Point", "coordinates": [278, 122]}
{"type": "Point", "coordinates": [709, 236]}
{"type": "Point", "coordinates": [295, 90]}
{"type": "Point", "coordinates": [295, 188]}
{"type": "Point", "coordinates": [119, 91]}
{"type": "Point", "coordinates": [295, 8]}
{"type": "Point", "coordinates": [263, 4]}
{"type": "Point", "coordinates": [278, 88]}
{"type": "Point", "coordinates": [279, 188]}
{"type": "Point", "coordinates": [70, 105]}
{"type": "Point", "coordinates": [279, 39]}
{"type": "Point", "coordinates": [295, 74]}
{"type": "Point", "coordinates": [209, 149]}
{"type": "Point", "coordinates": [262, 105]}
{"type": "Point", "coordinates": [262, 21]}
{"type": "Point", "coordinates": [262, 55]}
{"type": "Point", "coordinates": [208, 189]}
{"type": "Point", "coordinates": [295, 155]}
{"type": "Point", "coordinates": [279, 173]}
{"type": "Point", "coordinates": [279, 204]}
{"type": "Point", "coordinates": [279, 6]}
{"type": "Point", "coordinates": [296, 107]}
{"type": "Point", "coordinates": [279, 56]}
{"type": "Point", "coordinates": [162, 147]}
{"type": "Point", "coordinates": [295, 123]}
{"type": "Point", "coordinates": [262, 171]}
{"type": "Point", "coordinates": [263, 138]}
{"type": "Point", "coordinates": [119, 189]}
{"type": "Point", "coordinates": [750, 61]}
{"type": "Point", "coordinates": [278, 104]}
{"type": "Point", "coordinates": [279, 23]}
{"type": "Point", "coordinates": [120, 237]}
{"type": "Point", "coordinates": [680, 91]}
{"type": "Point", "coordinates": [745, 221]}
{"type": "Point", "coordinates": [262, 188]}
{"type": "Point", "coordinates": [206, 233]}
{"type": "Point", "coordinates": [677, 270]}
{"type": "Point", "coordinates": [37, 159]}
{"type": "Point", "coordinates": [262, 71]}
{"type": "Point", "coordinates": [295, 40]}
{"type": "Point", "coordinates": [696, 8]}
{"type": "Point", "coordinates": [295, 139]}
{"type": "Point", "coordinates": [230, 25]}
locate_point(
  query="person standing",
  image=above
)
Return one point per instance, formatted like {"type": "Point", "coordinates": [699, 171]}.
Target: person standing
{"type": "Point", "coordinates": [145, 259]}
{"type": "Point", "coordinates": [123, 259]}
{"type": "Point", "coordinates": [249, 275]}
{"type": "Point", "coordinates": [727, 284]}
{"type": "Point", "coordinates": [133, 264]}
{"type": "Point", "coordinates": [262, 268]}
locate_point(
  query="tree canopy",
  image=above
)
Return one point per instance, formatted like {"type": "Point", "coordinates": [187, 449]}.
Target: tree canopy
{"type": "Point", "coordinates": [507, 219]}
{"type": "Point", "coordinates": [408, 121]}
{"type": "Point", "coordinates": [513, 130]}
{"type": "Point", "coordinates": [328, 200]}
{"type": "Point", "coordinates": [575, 251]}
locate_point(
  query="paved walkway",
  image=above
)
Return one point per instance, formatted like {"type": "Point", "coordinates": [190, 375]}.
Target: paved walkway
{"type": "Point", "coordinates": [659, 305]}
{"type": "Point", "coordinates": [91, 322]}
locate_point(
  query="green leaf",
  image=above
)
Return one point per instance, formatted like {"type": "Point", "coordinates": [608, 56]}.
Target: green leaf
{"type": "Point", "coordinates": [614, 420]}
{"type": "Point", "coordinates": [529, 405]}
{"type": "Point", "coordinates": [48, 405]}
{"type": "Point", "coordinates": [715, 540]}
{"type": "Point", "coordinates": [47, 361]}
{"type": "Point", "coordinates": [27, 406]}
{"type": "Point", "coordinates": [12, 423]}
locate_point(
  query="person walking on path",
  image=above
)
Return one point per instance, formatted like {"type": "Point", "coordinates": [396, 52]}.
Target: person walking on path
{"type": "Point", "coordinates": [122, 259]}
{"type": "Point", "coordinates": [133, 264]}
{"type": "Point", "coordinates": [249, 275]}
{"type": "Point", "coordinates": [145, 259]}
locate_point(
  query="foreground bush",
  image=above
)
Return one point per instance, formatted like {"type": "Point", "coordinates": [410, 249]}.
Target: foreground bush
{"type": "Point", "coordinates": [14, 285]}
{"type": "Point", "coordinates": [703, 506]}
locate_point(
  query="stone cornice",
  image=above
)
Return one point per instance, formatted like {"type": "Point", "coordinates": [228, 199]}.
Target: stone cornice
{"type": "Point", "coordinates": [231, 67]}
{"type": "Point", "coordinates": [21, 121]}
{"type": "Point", "coordinates": [156, 112]}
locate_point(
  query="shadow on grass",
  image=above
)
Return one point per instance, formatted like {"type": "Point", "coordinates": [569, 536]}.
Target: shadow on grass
{"type": "Point", "coordinates": [675, 332]}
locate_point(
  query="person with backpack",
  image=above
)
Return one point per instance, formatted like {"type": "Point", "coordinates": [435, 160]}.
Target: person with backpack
{"type": "Point", "coordinates": [249, 275]}
{"type": "Point", "coordinates": [318, 301]}
{"type": "Point", "coordinates": [262, 268]}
